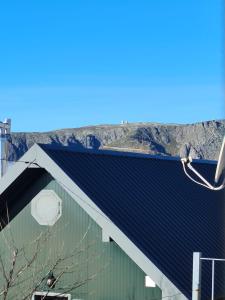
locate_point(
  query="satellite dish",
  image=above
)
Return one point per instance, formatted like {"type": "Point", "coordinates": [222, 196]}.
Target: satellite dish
{"type": "Point", "coordinates": [220, 169]}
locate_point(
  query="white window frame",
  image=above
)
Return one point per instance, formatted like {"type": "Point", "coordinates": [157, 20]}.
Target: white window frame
{"type": "Point", "coordinates": [51, 294]}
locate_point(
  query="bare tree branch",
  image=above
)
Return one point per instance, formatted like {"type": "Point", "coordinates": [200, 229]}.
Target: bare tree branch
{"type": "Point", "coordinates": [25, 269]}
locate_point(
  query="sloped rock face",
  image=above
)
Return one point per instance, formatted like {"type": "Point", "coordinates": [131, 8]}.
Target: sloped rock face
{"type": "Point", "coordinates": [200, 140]}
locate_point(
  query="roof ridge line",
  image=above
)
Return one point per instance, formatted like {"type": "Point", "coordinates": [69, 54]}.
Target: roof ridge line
{"type": "Point", "coordinates": [119, 153]}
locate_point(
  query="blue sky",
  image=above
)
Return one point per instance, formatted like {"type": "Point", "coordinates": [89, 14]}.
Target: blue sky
{"type": "Point", "coordinates": [81, 62]}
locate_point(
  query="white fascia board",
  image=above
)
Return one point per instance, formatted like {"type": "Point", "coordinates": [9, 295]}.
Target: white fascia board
{"type": "Point", "coordinates": [38, 155]}
{"type": "Point", "coordinates": [18, 168]}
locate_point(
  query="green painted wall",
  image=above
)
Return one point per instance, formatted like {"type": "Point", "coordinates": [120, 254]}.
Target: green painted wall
{"type": "Point", "coordinates": [115, 275]}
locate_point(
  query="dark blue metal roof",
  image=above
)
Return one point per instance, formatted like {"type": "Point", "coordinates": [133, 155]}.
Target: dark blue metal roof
{"type": "Point", "coordinates": [153, 202]}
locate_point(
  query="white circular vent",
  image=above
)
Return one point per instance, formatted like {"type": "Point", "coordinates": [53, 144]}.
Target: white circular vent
{"type": "Point", "coordinates": [46, 207]}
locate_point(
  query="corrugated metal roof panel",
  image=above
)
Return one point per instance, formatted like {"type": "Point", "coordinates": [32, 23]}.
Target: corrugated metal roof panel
{"type": "Point", "coordinates": [152, 201]}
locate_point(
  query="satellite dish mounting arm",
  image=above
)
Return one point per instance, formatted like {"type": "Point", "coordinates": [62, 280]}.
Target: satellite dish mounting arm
{"type": "Point", "coordinates": [219, 171]}
{"type": "Point", "coordinates": [205, 183]}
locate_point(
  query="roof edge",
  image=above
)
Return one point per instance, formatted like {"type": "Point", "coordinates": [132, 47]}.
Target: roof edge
{"type": "Point", "coordinates": [121, 153]}
{"type": "Point", "coordinates": [28, 160]}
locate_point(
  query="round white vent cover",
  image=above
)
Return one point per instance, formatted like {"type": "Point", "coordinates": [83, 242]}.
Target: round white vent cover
{"type": "Point", "coordinates": [46, 207]}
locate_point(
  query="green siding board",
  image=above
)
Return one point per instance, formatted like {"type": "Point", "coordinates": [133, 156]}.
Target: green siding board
{"type": "Point", "coordinates": [117, 276]}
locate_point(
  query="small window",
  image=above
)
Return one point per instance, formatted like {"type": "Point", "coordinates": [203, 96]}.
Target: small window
{"type": "Point", "coordinates": [50, 296]}
{"type": "Point", "coordinates": [149, 282]}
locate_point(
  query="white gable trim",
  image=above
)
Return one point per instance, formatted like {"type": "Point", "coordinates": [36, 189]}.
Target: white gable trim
{"type": "Point", "coordinates": [36, 154]}
{"type": "Point", "coordinates": [15, 170]}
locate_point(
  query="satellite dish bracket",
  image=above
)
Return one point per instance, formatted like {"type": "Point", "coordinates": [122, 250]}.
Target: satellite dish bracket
{"type": "Point", "coordinates": [200, 176]}
{"type": "Point", "coordinates": [204, 183]}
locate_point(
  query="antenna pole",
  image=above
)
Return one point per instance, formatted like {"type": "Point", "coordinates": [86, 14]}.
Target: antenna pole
{"type": "Point", "coordinates": [5, 130]}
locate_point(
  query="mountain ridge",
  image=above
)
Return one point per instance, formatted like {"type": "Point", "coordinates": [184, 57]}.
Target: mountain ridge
{"type": "Point", "coordinates": [201, 140]}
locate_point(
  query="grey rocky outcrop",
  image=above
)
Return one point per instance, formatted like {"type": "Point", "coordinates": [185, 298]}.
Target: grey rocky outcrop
{"type": "Point", "coordinates": [200, 140]}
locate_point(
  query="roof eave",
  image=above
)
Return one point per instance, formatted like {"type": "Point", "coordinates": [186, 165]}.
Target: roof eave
{"type": "Point", "coordinates": [26, 161]}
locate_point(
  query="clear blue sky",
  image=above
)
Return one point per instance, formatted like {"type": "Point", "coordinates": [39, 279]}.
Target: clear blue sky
{"type": "Point", "coordinates": [78, 62]}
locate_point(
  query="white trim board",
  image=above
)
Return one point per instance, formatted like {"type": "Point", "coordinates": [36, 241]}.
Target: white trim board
{"type": "Point", "coordinates": [38, 155]}
{"type": "Point", "coordinates": [51, 294]}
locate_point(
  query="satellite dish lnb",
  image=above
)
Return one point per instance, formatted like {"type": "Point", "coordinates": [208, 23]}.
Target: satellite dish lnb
{"type": "Point", "coordinates": [220, 169]}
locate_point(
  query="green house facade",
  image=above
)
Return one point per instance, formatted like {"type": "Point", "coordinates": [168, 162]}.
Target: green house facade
{"type": "Point", "coordinates": [58, 242]}
{"type": "Point", "coordinates": [115, 275]}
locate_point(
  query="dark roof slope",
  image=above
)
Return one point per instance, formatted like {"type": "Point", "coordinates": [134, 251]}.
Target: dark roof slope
{"type": "Point", "coordinates": [152, 201]}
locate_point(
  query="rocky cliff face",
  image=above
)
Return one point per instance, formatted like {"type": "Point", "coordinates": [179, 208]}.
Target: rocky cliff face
{"type": "Point", "coordinates": [200, 140]}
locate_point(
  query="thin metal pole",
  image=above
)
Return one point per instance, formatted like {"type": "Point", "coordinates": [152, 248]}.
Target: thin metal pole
{"type": "Point", "coordinates": [196, 276]}
{"type": "Point", "coordinates": [5, 129]}
{"type": "Point", "coordinates": [216, 259]}
{"type": "Point", "coordinates": [213, 278]}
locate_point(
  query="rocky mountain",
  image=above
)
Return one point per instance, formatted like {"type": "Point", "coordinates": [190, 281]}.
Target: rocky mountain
{"type": "Point", "coordinates": [200, 140]}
